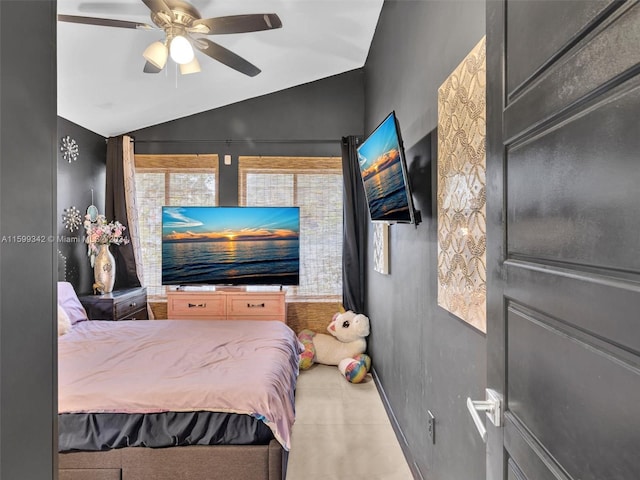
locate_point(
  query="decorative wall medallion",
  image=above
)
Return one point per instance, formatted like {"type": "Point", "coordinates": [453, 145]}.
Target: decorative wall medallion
{"type": "Point", "coordinates": [71, 219]}
{"type": "Point", "coordinates": [462, 190]}
{"type": "Point", "coordinates": [381, 247]}
{"type": "Point", "coordinates": [69, 148]}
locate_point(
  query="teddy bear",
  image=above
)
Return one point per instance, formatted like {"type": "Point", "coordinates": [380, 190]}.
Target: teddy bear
{"type": "Point", "coordinates": [345, 346]}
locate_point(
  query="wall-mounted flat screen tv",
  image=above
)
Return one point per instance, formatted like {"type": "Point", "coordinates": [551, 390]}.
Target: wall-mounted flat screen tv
{"type": "Point", "coordinates": [384, 174]}
{"type": "Point", "coordinates": [230, 245]}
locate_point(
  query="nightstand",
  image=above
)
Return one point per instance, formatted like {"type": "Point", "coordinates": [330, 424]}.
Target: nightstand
{"type": "Point", "coordinates": [125, 304]}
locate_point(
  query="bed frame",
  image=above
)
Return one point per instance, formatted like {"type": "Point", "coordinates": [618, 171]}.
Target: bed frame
{"type": "Point", "coordinates": [216, 462]}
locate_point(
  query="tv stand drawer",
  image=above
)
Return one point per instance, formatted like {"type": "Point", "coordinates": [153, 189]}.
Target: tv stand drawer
{"type": "Point", "coordinates": [195, 306]}
{"type": "Point", "coordinates": [251, 306]}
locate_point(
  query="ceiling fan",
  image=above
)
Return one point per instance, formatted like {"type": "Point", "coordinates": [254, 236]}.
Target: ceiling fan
{"type": "Point", "coordinates": [185, 29]}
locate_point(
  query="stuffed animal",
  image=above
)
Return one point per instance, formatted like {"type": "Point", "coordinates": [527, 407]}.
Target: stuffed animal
{"type": "Point", "coordinates": [345, 346]}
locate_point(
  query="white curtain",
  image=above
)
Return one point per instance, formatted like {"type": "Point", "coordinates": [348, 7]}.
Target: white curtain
{"type": "Point", "coordinates": [129, 170]}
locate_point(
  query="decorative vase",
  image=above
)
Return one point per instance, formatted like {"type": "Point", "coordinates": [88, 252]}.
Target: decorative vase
{"type": "Point", "coordinates": [104, 269]}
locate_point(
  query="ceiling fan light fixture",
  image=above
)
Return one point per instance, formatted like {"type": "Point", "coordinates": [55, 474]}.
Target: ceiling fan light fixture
{"type": "Point", "coordinates": [156, 54]}
{"type": "Point", "coordinates": [192, 67]}
{"type": "Point", "coordinates": [181, 50]}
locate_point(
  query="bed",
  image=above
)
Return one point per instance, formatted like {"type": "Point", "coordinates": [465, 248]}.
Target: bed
{"type": "Point", "coordinates": [176, 399]}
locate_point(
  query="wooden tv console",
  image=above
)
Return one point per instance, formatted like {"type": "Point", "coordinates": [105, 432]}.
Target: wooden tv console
{"type": "Point", "coordinates": [226, 303]}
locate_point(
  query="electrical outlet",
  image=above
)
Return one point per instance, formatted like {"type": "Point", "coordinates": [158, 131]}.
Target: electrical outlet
{"type": "Point", "coordinates": [431, 426]}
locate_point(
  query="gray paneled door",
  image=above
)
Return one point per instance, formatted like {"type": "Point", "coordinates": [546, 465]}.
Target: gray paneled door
{"type": "Point", "coordinates": [563, 178]}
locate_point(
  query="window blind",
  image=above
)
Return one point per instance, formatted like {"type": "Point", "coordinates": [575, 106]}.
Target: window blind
{"type": "Point", "coordinates": [315, 185]}
{"type": "Point", "coordinates": [169, 180]}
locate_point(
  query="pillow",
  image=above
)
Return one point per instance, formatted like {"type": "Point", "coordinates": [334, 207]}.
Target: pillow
{"type": "Point", "coordinates": [69, 302]}
{"type": "Point", "coordinates": [64, 324]}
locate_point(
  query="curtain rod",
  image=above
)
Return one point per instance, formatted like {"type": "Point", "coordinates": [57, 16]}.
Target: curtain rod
{"type": "Point", "coordinates": [244, 141]}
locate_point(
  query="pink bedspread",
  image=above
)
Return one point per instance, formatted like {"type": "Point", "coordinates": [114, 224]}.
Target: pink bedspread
{"type": "Point", "coordinates": [247, 367]}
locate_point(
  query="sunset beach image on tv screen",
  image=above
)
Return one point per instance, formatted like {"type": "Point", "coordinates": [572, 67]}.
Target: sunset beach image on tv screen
{"type": "Point", "coordinates": [382, 170]}
{"type": "Point", "coordinates": [230, 245]}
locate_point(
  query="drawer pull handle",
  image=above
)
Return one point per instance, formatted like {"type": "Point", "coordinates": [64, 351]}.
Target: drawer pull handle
{"type": "Point", "coordinates": [197, 305]}
{"type": "Point", "coordinates": [133, 304]}
{"type": "Point", "coordinates": [255, 305]}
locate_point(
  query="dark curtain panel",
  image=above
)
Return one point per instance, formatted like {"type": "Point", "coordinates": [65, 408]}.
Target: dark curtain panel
{"type": "Point", "coordinates": [356, 218]}
{"type": "Point", "coordinates": [116, 209]}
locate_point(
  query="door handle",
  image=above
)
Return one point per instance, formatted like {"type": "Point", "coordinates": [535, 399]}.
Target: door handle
{"type": "Point", "coordinates": [492, 406]}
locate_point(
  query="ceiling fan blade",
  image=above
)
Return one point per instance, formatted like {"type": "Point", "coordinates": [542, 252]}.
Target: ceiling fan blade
{"type": "Point", "coordinates": [113, 8]}
{"type": "Point", "coordinates": [159, 6]}
{"type": "Point", "coordinates": [240, 23]}
{"type": "Point", "coordinates": [104, 22]}
{"type": "Point", "coordinates": [151, 68]}
{"type": "Point", "coordinates": [223, 55]}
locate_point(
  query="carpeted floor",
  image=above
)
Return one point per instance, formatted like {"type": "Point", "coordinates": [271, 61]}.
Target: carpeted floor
{"type": "Point", "coordinates": [342, 431]}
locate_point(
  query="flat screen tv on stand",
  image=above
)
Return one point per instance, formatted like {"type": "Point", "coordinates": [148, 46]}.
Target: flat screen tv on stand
{"type": "Point", "coordinates": [384, 175]}
{"type": "Point", "coordinates": [243, 246]}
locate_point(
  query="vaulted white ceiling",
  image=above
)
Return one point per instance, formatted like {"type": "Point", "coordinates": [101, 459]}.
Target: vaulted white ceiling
{"type": "Point", "coordinates": [101, 85]}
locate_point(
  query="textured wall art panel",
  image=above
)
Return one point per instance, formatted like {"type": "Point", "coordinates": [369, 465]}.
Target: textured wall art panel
{"type": "Point", "coordinates": [381, 247]}
{"type": "Point", "coordinates": [462, 190]}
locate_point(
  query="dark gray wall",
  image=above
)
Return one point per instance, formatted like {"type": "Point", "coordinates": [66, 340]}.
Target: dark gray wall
{"type": "Point", "coordinates": [306, 120]}
{"type": "Point", "coordinates": [426, 358]}
{"type": "Point", "coordinates": [76, 179]}
{"type": "Point", "coordinates": [28, 401]}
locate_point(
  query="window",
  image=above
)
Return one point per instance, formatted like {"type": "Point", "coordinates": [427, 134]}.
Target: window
{"type": "Point", "coordinates": [316, 186]}
{"type": "Point", "coordinates": [168, 180]}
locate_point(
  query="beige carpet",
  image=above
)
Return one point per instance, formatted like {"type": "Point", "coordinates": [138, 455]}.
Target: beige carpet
{"type": "Point", "coordinates": [342, 431]}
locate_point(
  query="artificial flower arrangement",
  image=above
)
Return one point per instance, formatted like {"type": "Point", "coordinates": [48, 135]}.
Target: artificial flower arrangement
{"type": "Point", "coordinates": [102, 233]}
